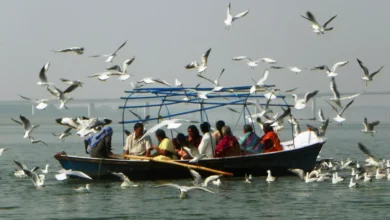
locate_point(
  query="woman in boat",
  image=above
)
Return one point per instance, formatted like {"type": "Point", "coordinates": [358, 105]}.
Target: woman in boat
{"type": "Point", "coordinates": [165, 149]}
{"type": "Point", "coordinates": [194, 138]}
{"type": "Point", "coordinates": [270, 140]}
{"type": "Point", "coordinates": [217, 135]}
{"type": "Point", "coordinates": [179, 142]}
{"type": "Point", "coordinates": [99, 145]}
{"type": "Point", "coordinates": [250, 143]}
{"type": "Point", "coordinates": [228, 146]}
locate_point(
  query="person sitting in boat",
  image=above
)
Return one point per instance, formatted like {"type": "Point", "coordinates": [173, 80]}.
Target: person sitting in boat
{"type": "Point", "coordinates": [99, 145]}
{"type": "Point", "coordinates": [207, 145]}
{"type": "Point", "coordinates": [270, 140]}
{"type": "Point", "coordinates": [165, 149]}
{"type": "Point", "coordinates": [194, 138]}
{"type": "Point", "coordinates": [250, 143]}
{"type": "Point", "coordinates": [217, 135]}
{"type": "Point", "coordinates": [228, 146]}
{"type": "Point", "coordinates": [135, 147]}
{"type": "Point", "coordinates": [179, 142]}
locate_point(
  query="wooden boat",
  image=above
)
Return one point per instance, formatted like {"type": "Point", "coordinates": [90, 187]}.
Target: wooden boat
{"type": "Point", "coordinates": [255, 164]}
{"type": "Point", "coordinates": [300, 153]}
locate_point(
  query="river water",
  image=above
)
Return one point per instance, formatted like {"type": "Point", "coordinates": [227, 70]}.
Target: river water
{"type": "Point", "coordinates": [287, 198]}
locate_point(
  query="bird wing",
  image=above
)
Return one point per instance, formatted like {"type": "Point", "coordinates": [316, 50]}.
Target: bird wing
{"type": "Point", "coordinates": [345, 108]}
{"type": "Point", "coordinates": [286, 112]}
{"type": "Point", "coordinates": [291, 90]}
{"type": "Point", "coordinates": [31, 174]}
{"type": "Point", "coordinates": [240, 15]}
{"type": "Point", "coordinates": [371, 125]}
{"type": "Point", "coordinates": [365, 123]}
{"type": "Point", "coordinates": [211, 178]}
{"type": "Point", "coordinates": [205, 57]}
{"type": "Point", "coordinates": [310, 95]}
{"type": "Point", "coordinates": [136, 115]}
{"type": "Point", "coordinates": [120, 175]}
{"type": "Point", "coordinates": [321, 115]}
{"type": "Point", "coordinates": [333, 88]}
{"type": "Point", "coordinates": [21, 165]}
{"type": "Point", "coordinates": [228, 13]}
{"type": "Point", "coordinates": [24, 97]}
{"type": "Point", "coordinates": [203, 77]}
{"type": "Point", "coordinates": [326, 23]}
{"type": "Point", "coordinates": [155, 128]}
{"type": "Point", "coordinates": [192, 65]}
{"type": "Point", "coordinates": [366, 151]}
{"type": "Point", "coordinates": [54, 91]}
{"type": "Point", "coordinates": [216, 82]}
{"type": "Point", "coordinates": [366, 73]}
{"type": "Point", "coordinates": [298, 172]}
{"type": "Point", "coordinates": [16, 121]}
{"type": "Point", "coordinates": [188, 151]}
{"type": "Point", "coordinates": [68, 130]}
{"type": "Point", "coordinates": [263, 78]}
{"type": "Point", "coordinates": [374, 73]}
{"type": "Point", "coordinates": [323, 127]}
{"type": "Point", "coordinates": [120, 47]}
{"type": "Point", "coordinates": [334, 108]}
{"type": "Point", "coordinates": [241, 58]}
{"type": "Point", "coordinates": [311, 18]}
{"type": "Point", "coordinates": [78, 173]}
{"type": "Point", "coordinates": [71, 88]}
{"type": "Point", "coordinates": [339, 64]}
{"type": "Point", "coordinates": [197, 176]}
{"type": "Point", "coordinates": [65, 80]}
{"type": "Point", "coordinates": [188, 188]}
{"type": "Point", "coordinates": [42, 73]}
{"type": "Point", "coordinates": [127, 63]}
{"type": "Point", "coordinates": [25, 121]}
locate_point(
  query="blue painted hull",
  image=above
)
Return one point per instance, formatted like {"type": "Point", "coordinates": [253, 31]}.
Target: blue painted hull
{"type": "Point", "coordinates": [257, 165]}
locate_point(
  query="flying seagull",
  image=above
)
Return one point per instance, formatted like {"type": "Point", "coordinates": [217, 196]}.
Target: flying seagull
{"type": "Point", "coordinates": [41, 103]}
{"type": "Point", "coordinates": [198, 181]}
{"type": "Point", "coordinates": [230, 19]}
{"type": "Point", "coordinates": [339, 118]}
{"type": "Point", "coordinates": [203, 66]}
{"type": "Point", "coordinates": [126, 181]}
{"type": "Point", "coordinates": [253, 63]}
{"type": "Point", "coordinates": [63, 174]}
{"type": "Point", "coordinates": [369, 126]}
{"type": "Point", "coordinates": [259, 83]}
{"type": "Point", "coordinates": [77, 50]}
{"type": "Point", "coordinates": [142, 120]}
{"type": "Point", "coordinates": [149, 80]}
{"type": "Point", "coordinates": [336, 95]}
{"type": "Point", "coordinates": [117, 71]}
{"type": "Point", "coordinates": [301, 103]}
{"type": "Point", "coordinates": [110, 57]}
{"type": "Point", "coordinates": [317, 28]}
{"type": "Point", "coordinates": [38, 180]}
{"type": "Point", "coordinates": [331, 72]}
{"type": "Point", "coordinates": [64, 134]}
{"type": "Point", "coordinates": [184, 189]}
{"type": "Point", "coordinates": [28, 128]}
{"type": "Point", "coordinates": [35, 141]}
{"type": "Point", "coordinates": [215, 83]}
{"type": "Point", "coordinates": [42, 75]}
{"type": "Point", "coordinates": [367, 76]}
{"type": "Point", "coordinates": [60, 95]}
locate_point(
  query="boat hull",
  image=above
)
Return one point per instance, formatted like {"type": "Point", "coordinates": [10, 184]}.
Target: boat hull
{"type": "Point", "coordinates": [257, 165]}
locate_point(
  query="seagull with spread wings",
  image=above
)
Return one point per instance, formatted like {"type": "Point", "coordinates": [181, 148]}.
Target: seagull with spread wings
{"type": "Point", "coordinates": [339, 118]}
{"type": "Point", "coordinates": [28, 128]}
{"type": "Point", "coordinates": [60, 95]}
{"type": "Point", "coordinates": [230, 19]}
{"type": "Point", "coordinates": [110, 57]}
{"type": "Point", "coordinates": [184, 189]}
{"type": "Point", "coordinates": [215, 83]}
{"type": "Point", "coordinates": [301, 103]}
{"type": "Point", "coordinates": [331, 72]}
{"type": "Point", "coordinates": [317, 28]}
{"type": "Point", "coordinates": [336, 95]}
{"type": "Point", "coordinates": [259, 84]}
{"type": "Point", "coordinates": [253, 63]}
{"type": "Point", "coordinates": [77, 50]}
{"type": "Point", "coordinates": [200, 67]}
{"type": "Point", "coordinates": [41, 103]}
{"type": "Point", "coordinates": [369, 126]}
{"type": "Point", "coordinates": [367, 76]}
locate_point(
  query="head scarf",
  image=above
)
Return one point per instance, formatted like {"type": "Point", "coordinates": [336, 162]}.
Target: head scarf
{"type": "Point", "coordinates": [94, 140]}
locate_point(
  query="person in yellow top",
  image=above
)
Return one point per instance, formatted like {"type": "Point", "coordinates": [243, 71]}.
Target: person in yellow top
{"type": "Point", "coordinates": [165, 149]}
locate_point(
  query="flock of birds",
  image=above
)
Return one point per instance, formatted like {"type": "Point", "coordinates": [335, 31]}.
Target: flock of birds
{"type": "Point", "coordinates": [85, 126]}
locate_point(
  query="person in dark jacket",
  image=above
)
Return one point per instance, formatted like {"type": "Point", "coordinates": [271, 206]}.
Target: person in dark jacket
{"type": "Point", "coordinates": [99, 145]}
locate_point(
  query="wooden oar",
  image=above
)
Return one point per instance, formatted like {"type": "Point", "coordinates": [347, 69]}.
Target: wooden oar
{"type": "Point", "coordinates": [179, 164]}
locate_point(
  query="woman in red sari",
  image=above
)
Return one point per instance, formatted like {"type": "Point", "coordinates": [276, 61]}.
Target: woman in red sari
{"type": "Point", "coordinates": [228, 145]}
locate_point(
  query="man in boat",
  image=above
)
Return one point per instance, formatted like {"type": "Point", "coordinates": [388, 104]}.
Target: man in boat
{"type": "Point", "coordinates": [135, 147]}
{"type": "Point", "coordinates": [270, 140]}
{"type": "Point", "coordinates": [250, 143]}
{"type": "Point", "coordinates": [99, 145]}
{"type": "Point", "coordinates": [207, 145]}
{"type": "Point", "coordinates": [165, 149]}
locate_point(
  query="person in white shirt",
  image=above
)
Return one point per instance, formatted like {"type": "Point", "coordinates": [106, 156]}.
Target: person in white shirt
{"type": "Point", "coordinates": [135, 147]}
{"type": "Point", "coordinates": [207, 145]}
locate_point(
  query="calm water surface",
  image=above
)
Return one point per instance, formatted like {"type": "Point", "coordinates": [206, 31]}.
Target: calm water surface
{"type": "Point", "coordinates": [287, 198]}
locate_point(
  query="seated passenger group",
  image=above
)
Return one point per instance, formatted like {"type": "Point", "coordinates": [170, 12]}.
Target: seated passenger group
{"type": "Point", "coordinates": [220, 143]}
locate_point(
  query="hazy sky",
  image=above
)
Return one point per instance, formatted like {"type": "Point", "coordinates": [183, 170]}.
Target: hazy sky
{"type": "Point", "coordinates": [166, 35]}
